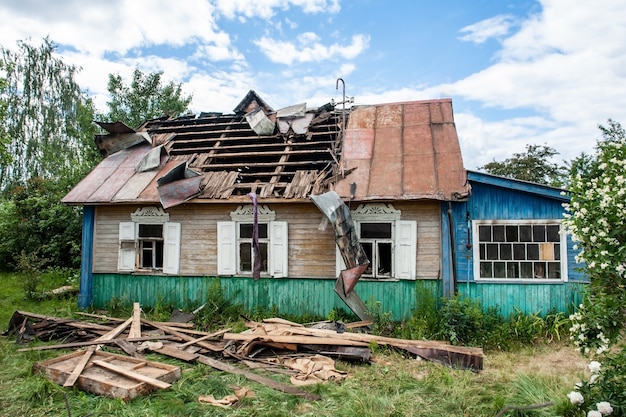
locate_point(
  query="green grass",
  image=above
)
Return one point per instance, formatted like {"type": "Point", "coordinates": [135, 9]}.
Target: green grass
{"type": "Point", "coordinates": [393, 385]}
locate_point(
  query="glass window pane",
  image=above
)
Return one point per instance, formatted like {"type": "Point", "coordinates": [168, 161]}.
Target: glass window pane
{"type": "Point", "coordinates": [511, 234]}
{"type": "Point", "coordinates": [484, 233]}
{"type": "Point", "coordinates": [150, 230]}
{"type": "Point", "coordinates": [525, 234]}
{"type": "Point", "coordinates": [482, 249]}
{"type": "Point", "coordinates": [512, 270]}
{"type": "Point", "coordinates": [498, 234]}
{"type": "Point", "coordinates": [526, 270]}
{"type": "Point", "coordinates": [245, 230]}
{"type": "Point", "coordinates": [245, 256]}
{"type": "Point", "coordinates": [486, 270]}
{"type": "Point", "coordinates": [539, 269]}
{"type": "Point", "coordinates": [539, 233]}
{"type": "Point", "coordinates": [499, 270]}
{"type": "Point", "coordinates": [506, 251]}
{"type": "Point", "coordinates": [519, 251]}
{"type": "Point", "coordinates": [263, 253]}
{"type": "Point", "coordinates": [532, 251]}
{"type": "Point", "coordinates": [263, 231]}
{"type": "Point", "coordinates": [557, 252]}
{"type": "Point", "coordinates": [492, 251]}
{"type": "Point", "coordinates": [554, 270]}
{"type": "Point", "coordinates": [553, 233]}
{"type": "Point", "coordinates": [376, 230]}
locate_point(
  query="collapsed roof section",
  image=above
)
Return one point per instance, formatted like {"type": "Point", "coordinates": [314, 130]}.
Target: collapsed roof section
{"type": "Point", "coordinates": [394, 151]}
{"type": "Point", "coordinates": [290, 153]}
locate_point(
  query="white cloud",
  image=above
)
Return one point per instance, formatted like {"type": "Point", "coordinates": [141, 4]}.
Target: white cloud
{"type": "Point", "coordinates": [266, 9]}
{"type": "Point", "coordinates": [494, 27]}
{"type": "Point", "coordinates": [307, 48]}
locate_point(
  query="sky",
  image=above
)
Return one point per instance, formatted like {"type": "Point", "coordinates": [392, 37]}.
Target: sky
{"type": "Point", "coordinates": [519, 72]}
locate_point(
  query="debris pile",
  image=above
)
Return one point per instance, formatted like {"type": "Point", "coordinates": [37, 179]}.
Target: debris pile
{"type": "Point", "coordinates": [306, 354]}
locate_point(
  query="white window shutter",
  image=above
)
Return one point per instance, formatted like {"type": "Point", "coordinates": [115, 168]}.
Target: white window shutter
{"type": "Point", "coordinates": [406, 249]}
{"type": "Point", "coordinates": [278, 249]}
{"type": "Point", "coordinates": [127, 253]}
{"type": "Point", "coordinates": [226, 248]}
{"type": "Point", "coordinates": [171, 248]}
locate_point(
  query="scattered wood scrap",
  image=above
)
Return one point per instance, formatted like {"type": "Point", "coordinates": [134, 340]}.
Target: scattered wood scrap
{"type": "Point", "coordinates": [305, 354]}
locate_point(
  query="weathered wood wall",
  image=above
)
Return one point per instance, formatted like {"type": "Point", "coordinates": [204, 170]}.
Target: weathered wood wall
{"type": "Point", "coordinates": [311, 250]}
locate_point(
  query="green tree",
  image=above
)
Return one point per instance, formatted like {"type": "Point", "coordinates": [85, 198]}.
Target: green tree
{"type": "Point", "coordinates": [5, 157]}
{"type": "Point", "coordinates": [49, 121]}
{"type": "Point", "coordinates": [146, 97]}
{"type": "Point", "coordinates": [596, 219]}
{"type": "Point", "coordinates": [533, 165]}
{"type": "Point", "coordinates": [47, 117]}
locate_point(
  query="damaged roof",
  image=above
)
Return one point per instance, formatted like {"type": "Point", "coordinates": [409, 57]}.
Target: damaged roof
{"type": "Point", "coordinates": [388, 151]}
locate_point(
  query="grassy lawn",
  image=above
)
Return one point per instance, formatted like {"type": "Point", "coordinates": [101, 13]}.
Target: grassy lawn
{"type": "Point", "coordinates": [392, 385]}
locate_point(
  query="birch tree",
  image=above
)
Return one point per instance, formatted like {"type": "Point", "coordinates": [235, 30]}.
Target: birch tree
{"type": "Point", "coordinates": [48, 119]}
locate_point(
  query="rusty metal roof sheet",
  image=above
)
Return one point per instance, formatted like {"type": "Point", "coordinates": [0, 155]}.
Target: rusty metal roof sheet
{"type": "Point", "coordinates": [404, 151]}
{"type": "Point", "coordinates": [388, 151]}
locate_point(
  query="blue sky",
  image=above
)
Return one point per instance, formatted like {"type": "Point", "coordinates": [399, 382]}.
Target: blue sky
{"type": "Point", "coordinates": [520, 72]}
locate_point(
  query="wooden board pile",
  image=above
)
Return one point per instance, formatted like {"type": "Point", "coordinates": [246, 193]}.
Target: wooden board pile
{"type": "Point", "coordinates": [306, 354]}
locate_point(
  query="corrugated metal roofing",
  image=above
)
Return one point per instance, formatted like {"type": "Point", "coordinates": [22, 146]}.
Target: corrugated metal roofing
{"type": "Point", "coordinates": [389, 151]}
{"type": "Point", "coordinates": [403, 151]}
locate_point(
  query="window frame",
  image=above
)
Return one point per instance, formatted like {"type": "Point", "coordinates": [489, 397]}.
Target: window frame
{"type": "Point", "coordinates": [130, 246]}
{"type": "Point", "coordinates": [403, 241]}
{"type": "Point", "coordinates": [476, 250]}
{"type": "Point", "coordinates": [228, 249]}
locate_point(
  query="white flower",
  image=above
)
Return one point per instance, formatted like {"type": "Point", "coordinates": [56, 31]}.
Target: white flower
{"type": "Point", "coordinates": [594, 367]}
{"type": "Point", "coordinates": [575, 397]}
{"type": "Point", "coordinates": [594, 413]}
{"type": "Point", "coordinates": [604, 407]}
{"type": "Point", "coordinates": [593, 378]}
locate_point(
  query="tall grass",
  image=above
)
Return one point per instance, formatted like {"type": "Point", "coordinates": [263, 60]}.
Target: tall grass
{"type": "Point", "coordinates": [392, 385]}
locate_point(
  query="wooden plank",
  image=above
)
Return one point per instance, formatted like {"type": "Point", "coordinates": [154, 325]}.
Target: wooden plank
{"type": "Point", "coordinates": [294, 339]}
{"type": "Point", "coordinates": [132, 374]}
{"type": "Point", "coordinates": [183, 336]}
{"type": "Point", "coordinates": [208, 336]}
{"type": "Point", "coordinates": [135, 326]}
{"type": "Point", "coordinates": [94, 342]}
{"type": "Point", "coordinates": [277, 385]}
{"type": "Point", "coordinates": [71, 380]}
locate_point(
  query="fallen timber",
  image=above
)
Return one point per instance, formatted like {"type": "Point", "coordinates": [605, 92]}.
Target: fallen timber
{"type": "Point", "coordinates": [272, 345]}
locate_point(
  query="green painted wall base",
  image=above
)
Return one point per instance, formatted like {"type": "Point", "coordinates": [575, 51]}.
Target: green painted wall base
{"type": "Point", "coordinates": [316, 297]}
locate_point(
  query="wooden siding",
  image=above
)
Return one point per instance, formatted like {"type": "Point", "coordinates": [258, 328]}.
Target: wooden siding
{"type": "Point", "coordinates": [311, 247]}
{"type": "Point", "coordinates": [301, 297]}
{"type": "Point", "coordinates": [316, 297]}
{"type": "Point", "coordinates": [526, 298]}
{"type": "Point", "coordinates": [498, 203]}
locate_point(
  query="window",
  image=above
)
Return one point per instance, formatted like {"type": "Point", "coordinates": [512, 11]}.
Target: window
{"type": "Point", "coordinates": [149, 243]}
{"type": "Point", "coordinates": [246, 252]}
{"type": "Point", "coordinates": [389, 243]}
{"type": "Point", "coordinates": [150, 239]}
{"type": "Point", "coordinates": [376, 240]}
{"type": "Point", "coordinates": [235, 254]}
{"type": "Point", "coordinates": [519, 250]}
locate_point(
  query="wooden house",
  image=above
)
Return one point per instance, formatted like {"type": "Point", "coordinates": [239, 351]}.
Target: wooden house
{"type": "Point", "coordinates": [510, 250]}
{"type": "Point", "coordinates": [179, 205]}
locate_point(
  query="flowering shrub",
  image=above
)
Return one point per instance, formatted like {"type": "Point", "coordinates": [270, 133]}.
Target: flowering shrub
{"type": "Point", "coordinates": [596, 219]}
